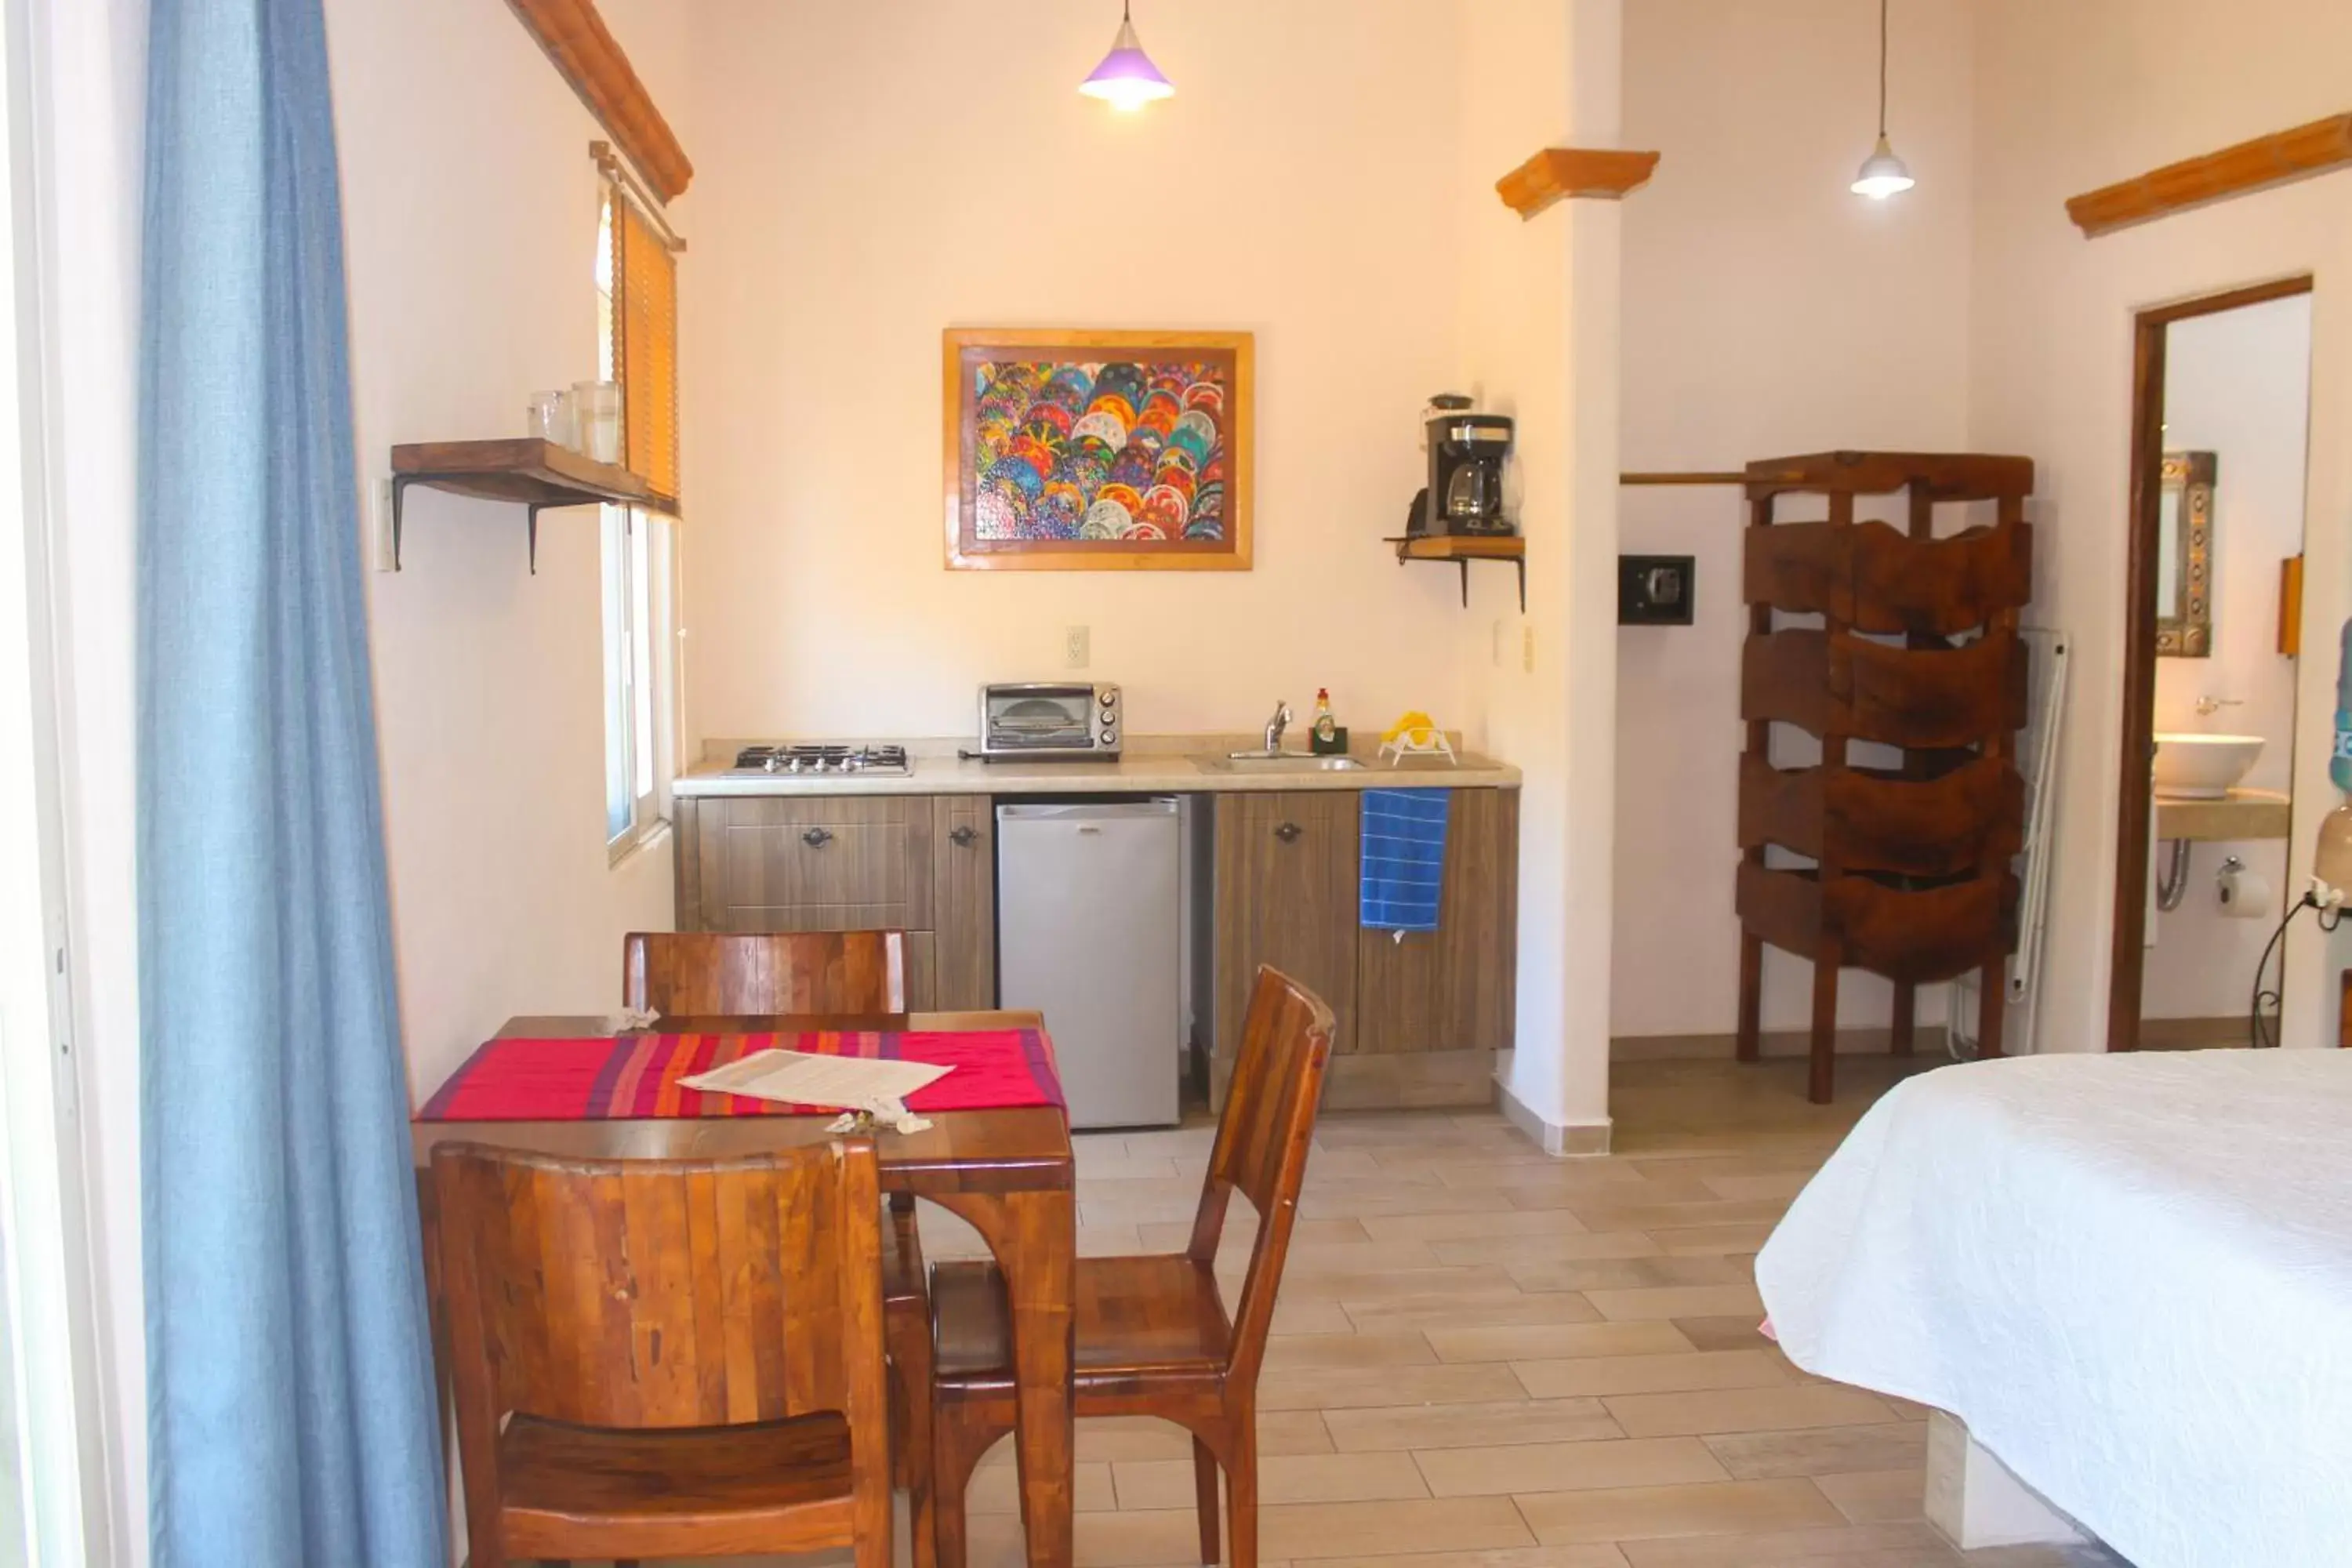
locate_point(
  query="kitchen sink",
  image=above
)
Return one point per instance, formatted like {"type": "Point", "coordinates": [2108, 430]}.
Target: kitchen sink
{"type": "Point", "coordinates": [1279, 762]}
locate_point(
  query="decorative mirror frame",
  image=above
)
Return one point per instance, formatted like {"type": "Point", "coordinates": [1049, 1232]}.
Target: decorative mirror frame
{"type": "Point", "coordinates": [2189, 635]}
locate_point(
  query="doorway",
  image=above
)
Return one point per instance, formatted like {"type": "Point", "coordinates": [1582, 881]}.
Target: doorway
{"type": "Point", "coordinates": [2221, 406]}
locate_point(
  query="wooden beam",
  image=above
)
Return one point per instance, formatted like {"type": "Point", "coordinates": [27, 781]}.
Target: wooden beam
{"type": "Point", "coordinates": [1558, 172]}
{"type": "Point", "coordinates": [2295, 154]}
{"type": "Point", "coordinates": [583, 50]}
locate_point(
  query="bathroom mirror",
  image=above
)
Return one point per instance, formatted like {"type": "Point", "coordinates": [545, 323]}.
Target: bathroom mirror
{"type": "Point", "coordinates": [2184, 557]}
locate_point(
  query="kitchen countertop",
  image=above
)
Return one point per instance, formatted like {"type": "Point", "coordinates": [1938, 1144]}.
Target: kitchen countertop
{"type": "Point", "coordinates": [1153, 765]}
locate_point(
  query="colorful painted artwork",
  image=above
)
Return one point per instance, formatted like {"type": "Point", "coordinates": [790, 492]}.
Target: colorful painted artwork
{"type": "Point", "coordinates": [1098, 449]}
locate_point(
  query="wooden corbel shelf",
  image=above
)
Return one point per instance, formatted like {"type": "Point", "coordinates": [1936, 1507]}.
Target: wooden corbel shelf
{"type": "Point", "coordinates": [583, 50]}
{"type": "Point", "coordinates": [533, 473]}
{"type": "Point", "coordinates": [1557, 173]}
{"type": "Point", "coordinates": [1463, 549]}
{"type": "Point", "coordinates": [2306, 150]}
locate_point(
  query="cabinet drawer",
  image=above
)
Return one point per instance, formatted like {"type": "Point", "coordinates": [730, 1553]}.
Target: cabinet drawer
{"type": "Point", "coordinates": [824, 863]}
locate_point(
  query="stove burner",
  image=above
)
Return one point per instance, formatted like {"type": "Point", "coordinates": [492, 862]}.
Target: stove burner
{"type": "Point", "coordinates": [822, 759]}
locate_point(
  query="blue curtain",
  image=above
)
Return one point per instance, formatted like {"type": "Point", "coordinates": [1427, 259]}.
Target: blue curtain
{"type": "Point", "coordinates": [290, 1406]}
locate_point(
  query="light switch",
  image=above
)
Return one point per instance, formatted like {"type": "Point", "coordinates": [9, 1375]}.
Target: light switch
{"type": "Point", "coordinates": [1077, 647]}
{"type": "Point", "coordinates": [381, 555]}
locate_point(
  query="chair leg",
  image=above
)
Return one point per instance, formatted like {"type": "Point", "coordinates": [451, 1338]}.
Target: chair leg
{"type": "Point", "coordinates": [911, 1364]}
{"type": "Point", "coordinates": [1205, 1493]}
{"type": "Point", "coordinates": [1241, 1492]}
{"type": "Point", "coordinates": [958, 1441]}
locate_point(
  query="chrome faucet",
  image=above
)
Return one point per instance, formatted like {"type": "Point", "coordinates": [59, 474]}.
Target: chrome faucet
{"type": "Point", "coordinates": [2208, 705]}
{"type": "Point", "coordinates": [1275, 725]}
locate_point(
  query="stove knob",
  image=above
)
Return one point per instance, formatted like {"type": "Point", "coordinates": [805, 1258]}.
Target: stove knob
{"type": "Point", "coordinates": [793, 766]}
{"type": "Point", "coordinates": [852, 765]}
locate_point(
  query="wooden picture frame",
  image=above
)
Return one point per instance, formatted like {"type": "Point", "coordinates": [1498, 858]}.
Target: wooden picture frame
{"type": "Point", "coordinates": [2187, 631]}
{"type": "Point", "coordinates": [1168, 438]}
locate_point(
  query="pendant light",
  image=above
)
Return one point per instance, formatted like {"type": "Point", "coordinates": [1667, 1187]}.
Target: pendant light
{"type": "Point", "coordinates": [1883, 174]}
{"type": "Point", "coordinates": [1126, 80]}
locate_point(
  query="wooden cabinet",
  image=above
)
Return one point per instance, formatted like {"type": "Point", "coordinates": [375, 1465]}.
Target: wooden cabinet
{"type": "Point", "coordinates": [755, 863]}
{"type": "Point", "coordinates": [1287, 875]}
{"type": "Point", "coordinates": [1419, 1019]}
{"type": "Point", "coordinates": [1455, 988]}
{"type": "Point", "coordinates": [963, 900]}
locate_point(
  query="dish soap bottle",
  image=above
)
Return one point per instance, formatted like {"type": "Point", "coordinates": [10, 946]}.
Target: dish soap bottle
{"type": "Point", "coordinates": [1327, 728]}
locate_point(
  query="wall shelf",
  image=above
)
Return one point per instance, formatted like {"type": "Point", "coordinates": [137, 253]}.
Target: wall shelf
{"type": "Point", "coordinates": [533, 473]}
{"type": "Point", "coordinates": [1463, 549]}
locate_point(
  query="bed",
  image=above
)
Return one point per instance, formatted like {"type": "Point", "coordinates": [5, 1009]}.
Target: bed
{"type": "Point", "coordinates": [2130, 1275]}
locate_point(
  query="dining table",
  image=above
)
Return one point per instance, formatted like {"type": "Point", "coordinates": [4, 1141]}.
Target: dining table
{"type": "Point", "coordinates": [1009, 1173]}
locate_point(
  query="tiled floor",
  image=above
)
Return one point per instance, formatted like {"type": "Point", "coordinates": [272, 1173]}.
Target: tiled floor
{"type": "Point", "coordinates": [1489, 1359]}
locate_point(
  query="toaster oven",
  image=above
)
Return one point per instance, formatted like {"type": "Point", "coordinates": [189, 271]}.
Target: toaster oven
{"type": "Point", "coordinates": [1072, 721]}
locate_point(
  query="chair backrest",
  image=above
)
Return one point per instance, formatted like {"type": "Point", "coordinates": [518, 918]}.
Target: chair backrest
{"type": "Point", "coordinates": [1262, 1143]}
{"type": "Point", "coordinates": [683, 974]}
{"type": "Point", "coordinates": [661, 1293]}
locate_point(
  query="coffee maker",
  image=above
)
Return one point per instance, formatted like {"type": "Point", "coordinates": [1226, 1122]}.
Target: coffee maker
{"type": "Point", "coordinates": [1466, 451]}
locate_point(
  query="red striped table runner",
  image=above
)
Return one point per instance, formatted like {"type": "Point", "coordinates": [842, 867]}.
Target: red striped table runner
{"type": "Point", "coordinates": [628, 1076]}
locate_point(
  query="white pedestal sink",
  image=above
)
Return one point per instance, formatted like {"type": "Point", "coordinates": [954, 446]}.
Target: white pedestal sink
{"type": "Point", "coordinates": [2202, 767]}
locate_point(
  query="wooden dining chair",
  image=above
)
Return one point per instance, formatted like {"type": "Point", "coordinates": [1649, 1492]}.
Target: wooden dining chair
{"type": "Point", "coordinates": [667, 1358]}
{"type": "Point", "coordinates": [705, 973]}
{"type": "Point", "coordinates": [714, 974]}
{"type": "Point", "coordinates": [1152, 1335]}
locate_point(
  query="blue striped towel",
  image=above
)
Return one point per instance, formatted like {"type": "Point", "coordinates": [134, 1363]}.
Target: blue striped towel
{"type": "Point", "coordinates": [1405, 857]}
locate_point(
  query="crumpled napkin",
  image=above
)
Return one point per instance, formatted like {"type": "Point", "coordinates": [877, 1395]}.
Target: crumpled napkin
{"type": "Point", "coordinates": [629, 1020]}
{"type": "Point", "coordinates": [882, 1110]}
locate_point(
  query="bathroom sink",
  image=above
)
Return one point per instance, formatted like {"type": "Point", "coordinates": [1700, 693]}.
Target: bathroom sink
{"type": "Point", "coordinates": [2203, 767]}
{"type": "Point", "coordinates": [1279, 762]}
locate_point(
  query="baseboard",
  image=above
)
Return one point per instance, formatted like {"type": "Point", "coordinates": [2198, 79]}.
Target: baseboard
{"type": "Point", "coordinates": [2192, 1034]}
{"type": "Point", "coordinates": [1873, 1042]}
{"type": "Point", "coordinates": [1572, 1140]}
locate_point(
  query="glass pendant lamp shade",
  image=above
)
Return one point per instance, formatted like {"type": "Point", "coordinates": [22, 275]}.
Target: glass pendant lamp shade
{"type": "Point", "coordinates": [1883, 174]}
{"type": "Point", "coordinates": [1127, 79]}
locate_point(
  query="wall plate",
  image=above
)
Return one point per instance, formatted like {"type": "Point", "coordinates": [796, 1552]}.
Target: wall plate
{"type": "Point", "coordinates": [1656, 590]}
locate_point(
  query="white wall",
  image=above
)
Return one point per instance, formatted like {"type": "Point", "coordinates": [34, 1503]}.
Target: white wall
{"type": "Point", "coordinates": [2236, 385]}
{"type": "Point", "coordinates": [1540, 340]}
{"type": "Point", "coordinates": [870, 175]}
{"type": "Point", "coordinates": [1768, 311]}
{"type": "Point", "coordinates": [2069, 97]}
{"type": "Point", "coordinates": [470, 205]}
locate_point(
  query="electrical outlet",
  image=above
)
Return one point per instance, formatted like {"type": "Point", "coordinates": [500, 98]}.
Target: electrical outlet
{"type": "Point", "coordinates": [1528, 649]}
{"type": "Point", "coordinates": [1077, 647]}
{"type": "Point", "coordinates": [381, 554]}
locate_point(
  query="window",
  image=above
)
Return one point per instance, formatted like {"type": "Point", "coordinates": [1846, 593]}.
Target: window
{"type": "Point", "coordinates": [636, 332]}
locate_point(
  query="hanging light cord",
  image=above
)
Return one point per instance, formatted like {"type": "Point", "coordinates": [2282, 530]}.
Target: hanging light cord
{"type": "Point", "coordinates": [1881, 68]}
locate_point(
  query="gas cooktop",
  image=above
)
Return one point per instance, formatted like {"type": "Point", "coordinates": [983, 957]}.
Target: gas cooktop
{"type": "Point", "coordinates": [818, 759]}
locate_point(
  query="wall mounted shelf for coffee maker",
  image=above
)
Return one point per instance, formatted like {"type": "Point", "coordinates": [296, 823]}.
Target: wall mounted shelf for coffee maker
{"type": "Point", "coordinates": [1459, 515]}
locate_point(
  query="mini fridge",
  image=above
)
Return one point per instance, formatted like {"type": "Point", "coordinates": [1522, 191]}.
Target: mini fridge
{"type": "Point", "coordinates": [1090, 932]}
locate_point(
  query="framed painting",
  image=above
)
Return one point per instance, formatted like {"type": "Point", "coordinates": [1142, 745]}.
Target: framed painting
{"type": "Point", "coordinates": [1098, 451]}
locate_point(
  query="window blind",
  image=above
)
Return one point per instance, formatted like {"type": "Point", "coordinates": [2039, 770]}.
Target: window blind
{"type": "Point", "coordinates": [645, 327]}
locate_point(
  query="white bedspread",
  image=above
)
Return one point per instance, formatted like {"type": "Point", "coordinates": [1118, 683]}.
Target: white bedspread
{"type": "Point", "coordinates": [2130, 1275]}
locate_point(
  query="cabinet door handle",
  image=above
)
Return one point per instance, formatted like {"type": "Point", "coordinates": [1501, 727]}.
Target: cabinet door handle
{"type": "Point", "coordinates": [963, 835]}
{"type": "Point", "coordinates": [1288, 832]}
{"type": "Point", "coordinates": [817, 838]}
